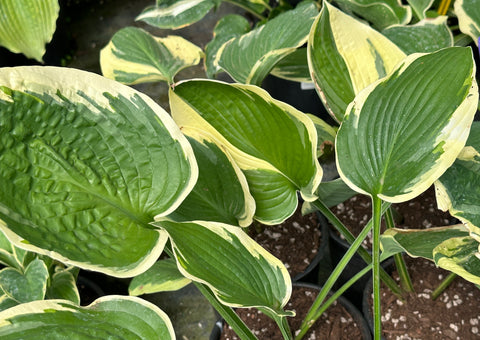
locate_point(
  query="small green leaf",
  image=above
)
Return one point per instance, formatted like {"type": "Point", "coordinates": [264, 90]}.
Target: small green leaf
{"type": "Point", "coordinates": [135, 56]}
{"type": "Point", "coordinates": [228, 27]}
{"type": "Point", "coordinates": [27, 27]}
{"type": "Point", "coordinates": [163, 276]}
{"type": "Point", "coordinates": [28, 286]}
{"type": "Point", "coordinates": [83, 168]}
{"type": "Point", "coordinates": [428, 35]}
{"type": "Point", "coordinates": [381, 13]}
{"type": "Point", "coordinates": [274, 144]}
{"type": "Point", "coordinates": [375, 141]}
{"type": "Point", "coordinates": [237, 269]}
{"type": "Point", "coordinates": [108, 317]}
{"type": "Point", "coordinates": [63, 286]}
{"type": "Point", "coordinates": [176, 13]}
{"type": "Point", "coordinates": [468, 13]}
{"type": "Point", "coordinates": [249, 58]}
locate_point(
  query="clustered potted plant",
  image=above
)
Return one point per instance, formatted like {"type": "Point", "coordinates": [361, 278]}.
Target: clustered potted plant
{"type": "Point", "coordinates": [96, 175]}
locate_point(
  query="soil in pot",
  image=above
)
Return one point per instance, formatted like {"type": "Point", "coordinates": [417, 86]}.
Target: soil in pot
{"type": "Point", "coordinates": [455, 314]}
{"type": "Point", "coordinates": [340, 321]}
{"type": "Point", "coordinates": [299, 242]}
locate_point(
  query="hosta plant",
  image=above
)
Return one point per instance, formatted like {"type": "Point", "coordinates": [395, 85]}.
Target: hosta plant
{"type": "Point", "coordinates": [97, 175]}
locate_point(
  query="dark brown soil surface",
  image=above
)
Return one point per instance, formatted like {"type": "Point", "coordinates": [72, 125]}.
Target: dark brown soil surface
{"type": "Point", "coordinates": [455, 314]}
{"type": "Point", "coordinates": [295, 242]}
{"type": "Point", "coordinates": [419, 213]}
{"type": "Point", "coordinates": [335, 323]}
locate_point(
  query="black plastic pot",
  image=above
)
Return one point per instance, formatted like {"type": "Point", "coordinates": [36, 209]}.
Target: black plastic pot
{"type": "Point", "coordinates": [291, 92]}
{"type": "Point", "coordinates": [357, 316]}
{"type": "Point", "coordinates": [89, 290]}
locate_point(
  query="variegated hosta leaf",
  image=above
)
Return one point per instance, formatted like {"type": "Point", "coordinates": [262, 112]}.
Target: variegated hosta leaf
{"type": "Point", "coordinates": [458, 189]}
{"type": "Point", "coordinates": [273, 143]}
{"type": "Point", "coordinates": [28, 286]}
{"type": "Point", "coordinates": [119, 317]}
{"type": "Point", "coordinates": [468, 13]}
{"type": "Point", "coordinates": [161, 277]}
{"type": "Point", "coordinates": [221, 193]}
{"type": "Point", "coordinates": [460, 256]}
{"type": "Point", "coordinates": [381, 13]}
{"type": "Point", "coordinates": [25, 27]}
{"type": "Point", "coordinates": [237, 269]}
{"type": "Point", "coordinates": [428, 35]}
{"type": "Point", "coordinates": [63, 286]}
{"type": "Point", "coordinates": [341, 65]}
{"type": "Point", "coordinates": [293, 67]}
{"type": "Point", "coordinates": [135, 56]}
{"type": "Point", "coordinates": [449, 247]}
{"type": "Point", "coordinates": [401, 133]}
{"type": "Point", "coordinates": [228, 27]}
{"type": "Point", "coordinates": [419, 242]}
{"type": "Point", "coordinates": [249, 58]}
{"type": "Point", "coordinates": [176, 13]}
{"type": "Point", "coordinates": [85, 164]}
{"type": "Point", "coordinates": [420, 7]}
